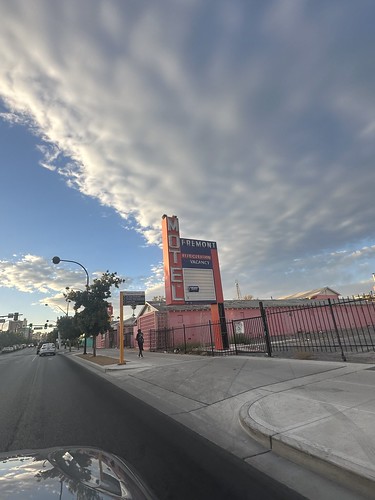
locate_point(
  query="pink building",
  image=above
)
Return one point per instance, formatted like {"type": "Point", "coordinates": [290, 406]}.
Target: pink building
{"type": "Point", "coordinates": [158, 315]}
{"type": "Point", "coordinates": [316, 316]}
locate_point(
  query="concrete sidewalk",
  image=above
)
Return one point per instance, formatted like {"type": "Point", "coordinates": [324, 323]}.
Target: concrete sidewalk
{"type": "Point", "coordinates": [320, 415]}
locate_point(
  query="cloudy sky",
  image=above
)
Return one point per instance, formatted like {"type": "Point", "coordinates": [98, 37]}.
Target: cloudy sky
{"type": "Point", "coordinates": [253, 121]}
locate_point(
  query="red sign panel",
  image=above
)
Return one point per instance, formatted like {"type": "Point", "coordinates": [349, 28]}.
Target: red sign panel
{"type": "Point", "coordinates": [191, 267]}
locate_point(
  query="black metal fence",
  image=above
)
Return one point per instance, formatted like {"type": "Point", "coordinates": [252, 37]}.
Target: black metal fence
{"type": "Point", "coordinates": [343, 325]}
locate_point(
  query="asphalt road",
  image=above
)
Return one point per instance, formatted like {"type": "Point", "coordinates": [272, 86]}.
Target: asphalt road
{"type": "Point", "coordinates": [52, 401]}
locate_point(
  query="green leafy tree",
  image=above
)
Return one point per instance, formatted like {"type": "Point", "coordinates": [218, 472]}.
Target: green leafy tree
{"type": "Point", "coordinates": [94, 318]}
{"type": "Point", "coordinates": [68, 328]}
{"type": "Point", "coordinates": [10, 338]}
{"type": "Point", "coordinates": [52, 335]}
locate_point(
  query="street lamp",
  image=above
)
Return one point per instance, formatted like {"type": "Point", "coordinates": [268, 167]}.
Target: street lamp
{"type": "Point", "coordinates": [61, 309]}
{"type": "Point", "coordinates": [57, 260]}
{"type": "Point", "coordinates": [66, 314]}
{"type": "Point", "coordinates": [49, 325]}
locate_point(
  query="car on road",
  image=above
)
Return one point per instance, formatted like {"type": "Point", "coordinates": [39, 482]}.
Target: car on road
{"type": "Point", "coordinates": [39, 346]}
{"type": "Point", "coordinates": [48, 349]}
{"type": "Point", "coordinates": [8, 349]}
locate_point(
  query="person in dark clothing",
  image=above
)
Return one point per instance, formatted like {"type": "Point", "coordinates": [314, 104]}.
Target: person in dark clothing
{"type": "Point", "coordinates": [139, 338]}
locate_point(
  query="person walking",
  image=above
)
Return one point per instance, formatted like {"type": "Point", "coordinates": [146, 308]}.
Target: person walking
{"type": "Point", "coordinates": [139, 338]}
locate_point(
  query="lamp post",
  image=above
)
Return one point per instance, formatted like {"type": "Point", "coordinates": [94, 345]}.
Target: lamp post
{"type": "Point", "coordinates": [65, 312]}
{"type": "Point", "coordinates": [57, 260]}
{"type": "Point", "coordinates": [58, 332]}
{"type": "Point", "coordinates": [61, 309]}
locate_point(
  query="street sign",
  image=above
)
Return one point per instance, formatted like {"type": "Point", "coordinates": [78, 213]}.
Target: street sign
{"type": "Point", "coordinates": [131, 298]}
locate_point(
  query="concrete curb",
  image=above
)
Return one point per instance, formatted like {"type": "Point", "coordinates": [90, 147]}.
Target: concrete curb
{"type": "Point", "coordinates": [130, 365]}
{"type": "Point", "coordinates": [298, 412]}
{"type": "Point", "coordinates": [319, 459]}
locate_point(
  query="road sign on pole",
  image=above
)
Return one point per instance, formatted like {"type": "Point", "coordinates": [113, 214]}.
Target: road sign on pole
{"type": "Point", "coordinates": [131, 298]}
{"type": "Point", "coordinates": [121, 360]}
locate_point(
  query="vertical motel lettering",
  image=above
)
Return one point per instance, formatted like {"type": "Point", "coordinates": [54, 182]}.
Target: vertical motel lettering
{"type": "Point", "coordinates": [174, 250]}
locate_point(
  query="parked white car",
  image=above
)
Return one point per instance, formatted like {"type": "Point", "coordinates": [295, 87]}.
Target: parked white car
{"type": "Point", "coordinates": [8, 349]}
{"type": "Point", "coordinates": [47, 350]}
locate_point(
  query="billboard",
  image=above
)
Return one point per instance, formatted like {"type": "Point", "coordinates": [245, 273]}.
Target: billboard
{"type": "Point", "coordinates": [191, 267]}
{"type": "Point", "coordinates": [197, 270]}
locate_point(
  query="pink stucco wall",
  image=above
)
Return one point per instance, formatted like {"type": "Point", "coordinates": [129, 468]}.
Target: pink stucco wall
{"type": "Point", "coordinates": [193, 326]}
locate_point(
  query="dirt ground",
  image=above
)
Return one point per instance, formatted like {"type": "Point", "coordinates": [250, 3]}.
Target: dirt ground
{"type": "Point", "coordinates": [99, 360]}
{"type": "Point", "coordinates": [350, 357]}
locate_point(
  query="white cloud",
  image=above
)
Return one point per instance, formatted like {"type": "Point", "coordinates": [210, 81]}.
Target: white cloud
{"type": "Point", "coordinates": [35, 275]}
{"type": "Point", "coordinates": [32, 273]}
{"type": "Point", "coordinates": [241, 119]}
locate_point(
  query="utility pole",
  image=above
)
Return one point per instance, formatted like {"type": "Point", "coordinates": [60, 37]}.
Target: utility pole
{"type": "Point", "coordinates": [239, 296]}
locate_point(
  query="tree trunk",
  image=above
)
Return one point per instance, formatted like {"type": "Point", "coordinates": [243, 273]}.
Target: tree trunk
{"type": "Point", "coordinates": [94, 345]}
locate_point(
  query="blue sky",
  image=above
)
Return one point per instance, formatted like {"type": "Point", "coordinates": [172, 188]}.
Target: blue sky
{"type": "Point", "coordinates": [252, 121]}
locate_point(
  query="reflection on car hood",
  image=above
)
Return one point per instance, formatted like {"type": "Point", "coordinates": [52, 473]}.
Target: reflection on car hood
{"type": "Point", "coordinates": [68, 473]}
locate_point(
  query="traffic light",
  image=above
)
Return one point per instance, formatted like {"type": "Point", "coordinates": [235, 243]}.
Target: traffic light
{"type": "Point", "coordinates": [45, 325]}
{"type": "Point", "coordinates": [15, 317]}
{"type": "Point", "coordinates": [30, 325]}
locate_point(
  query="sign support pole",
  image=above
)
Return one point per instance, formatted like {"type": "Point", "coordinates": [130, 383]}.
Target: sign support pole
{"type": "Point", "coordinates": [121, 360]}
{"type": "Point", "coordinates": [128, 298]}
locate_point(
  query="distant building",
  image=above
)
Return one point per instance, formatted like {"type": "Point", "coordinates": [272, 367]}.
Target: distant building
{"type": "Point", "coordinates": [12, 326]}
{"type": "Point", "coordinates": [112, 338]}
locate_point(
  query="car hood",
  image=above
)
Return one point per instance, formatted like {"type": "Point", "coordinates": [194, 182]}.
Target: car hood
{"type": "Point", "coordinates": [69, 473]}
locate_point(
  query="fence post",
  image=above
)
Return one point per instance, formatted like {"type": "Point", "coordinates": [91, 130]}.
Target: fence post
{"type": "Point", "coordinates": [212, 345]}
{"type": "Point", "coordinates": [336, 330]}
{"type": "Point", "coordinates": [234, 337]}
{"type": "Point", "coordinates": [265, 327]}
{"type": "Point", "coordinates": [184, 339]}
